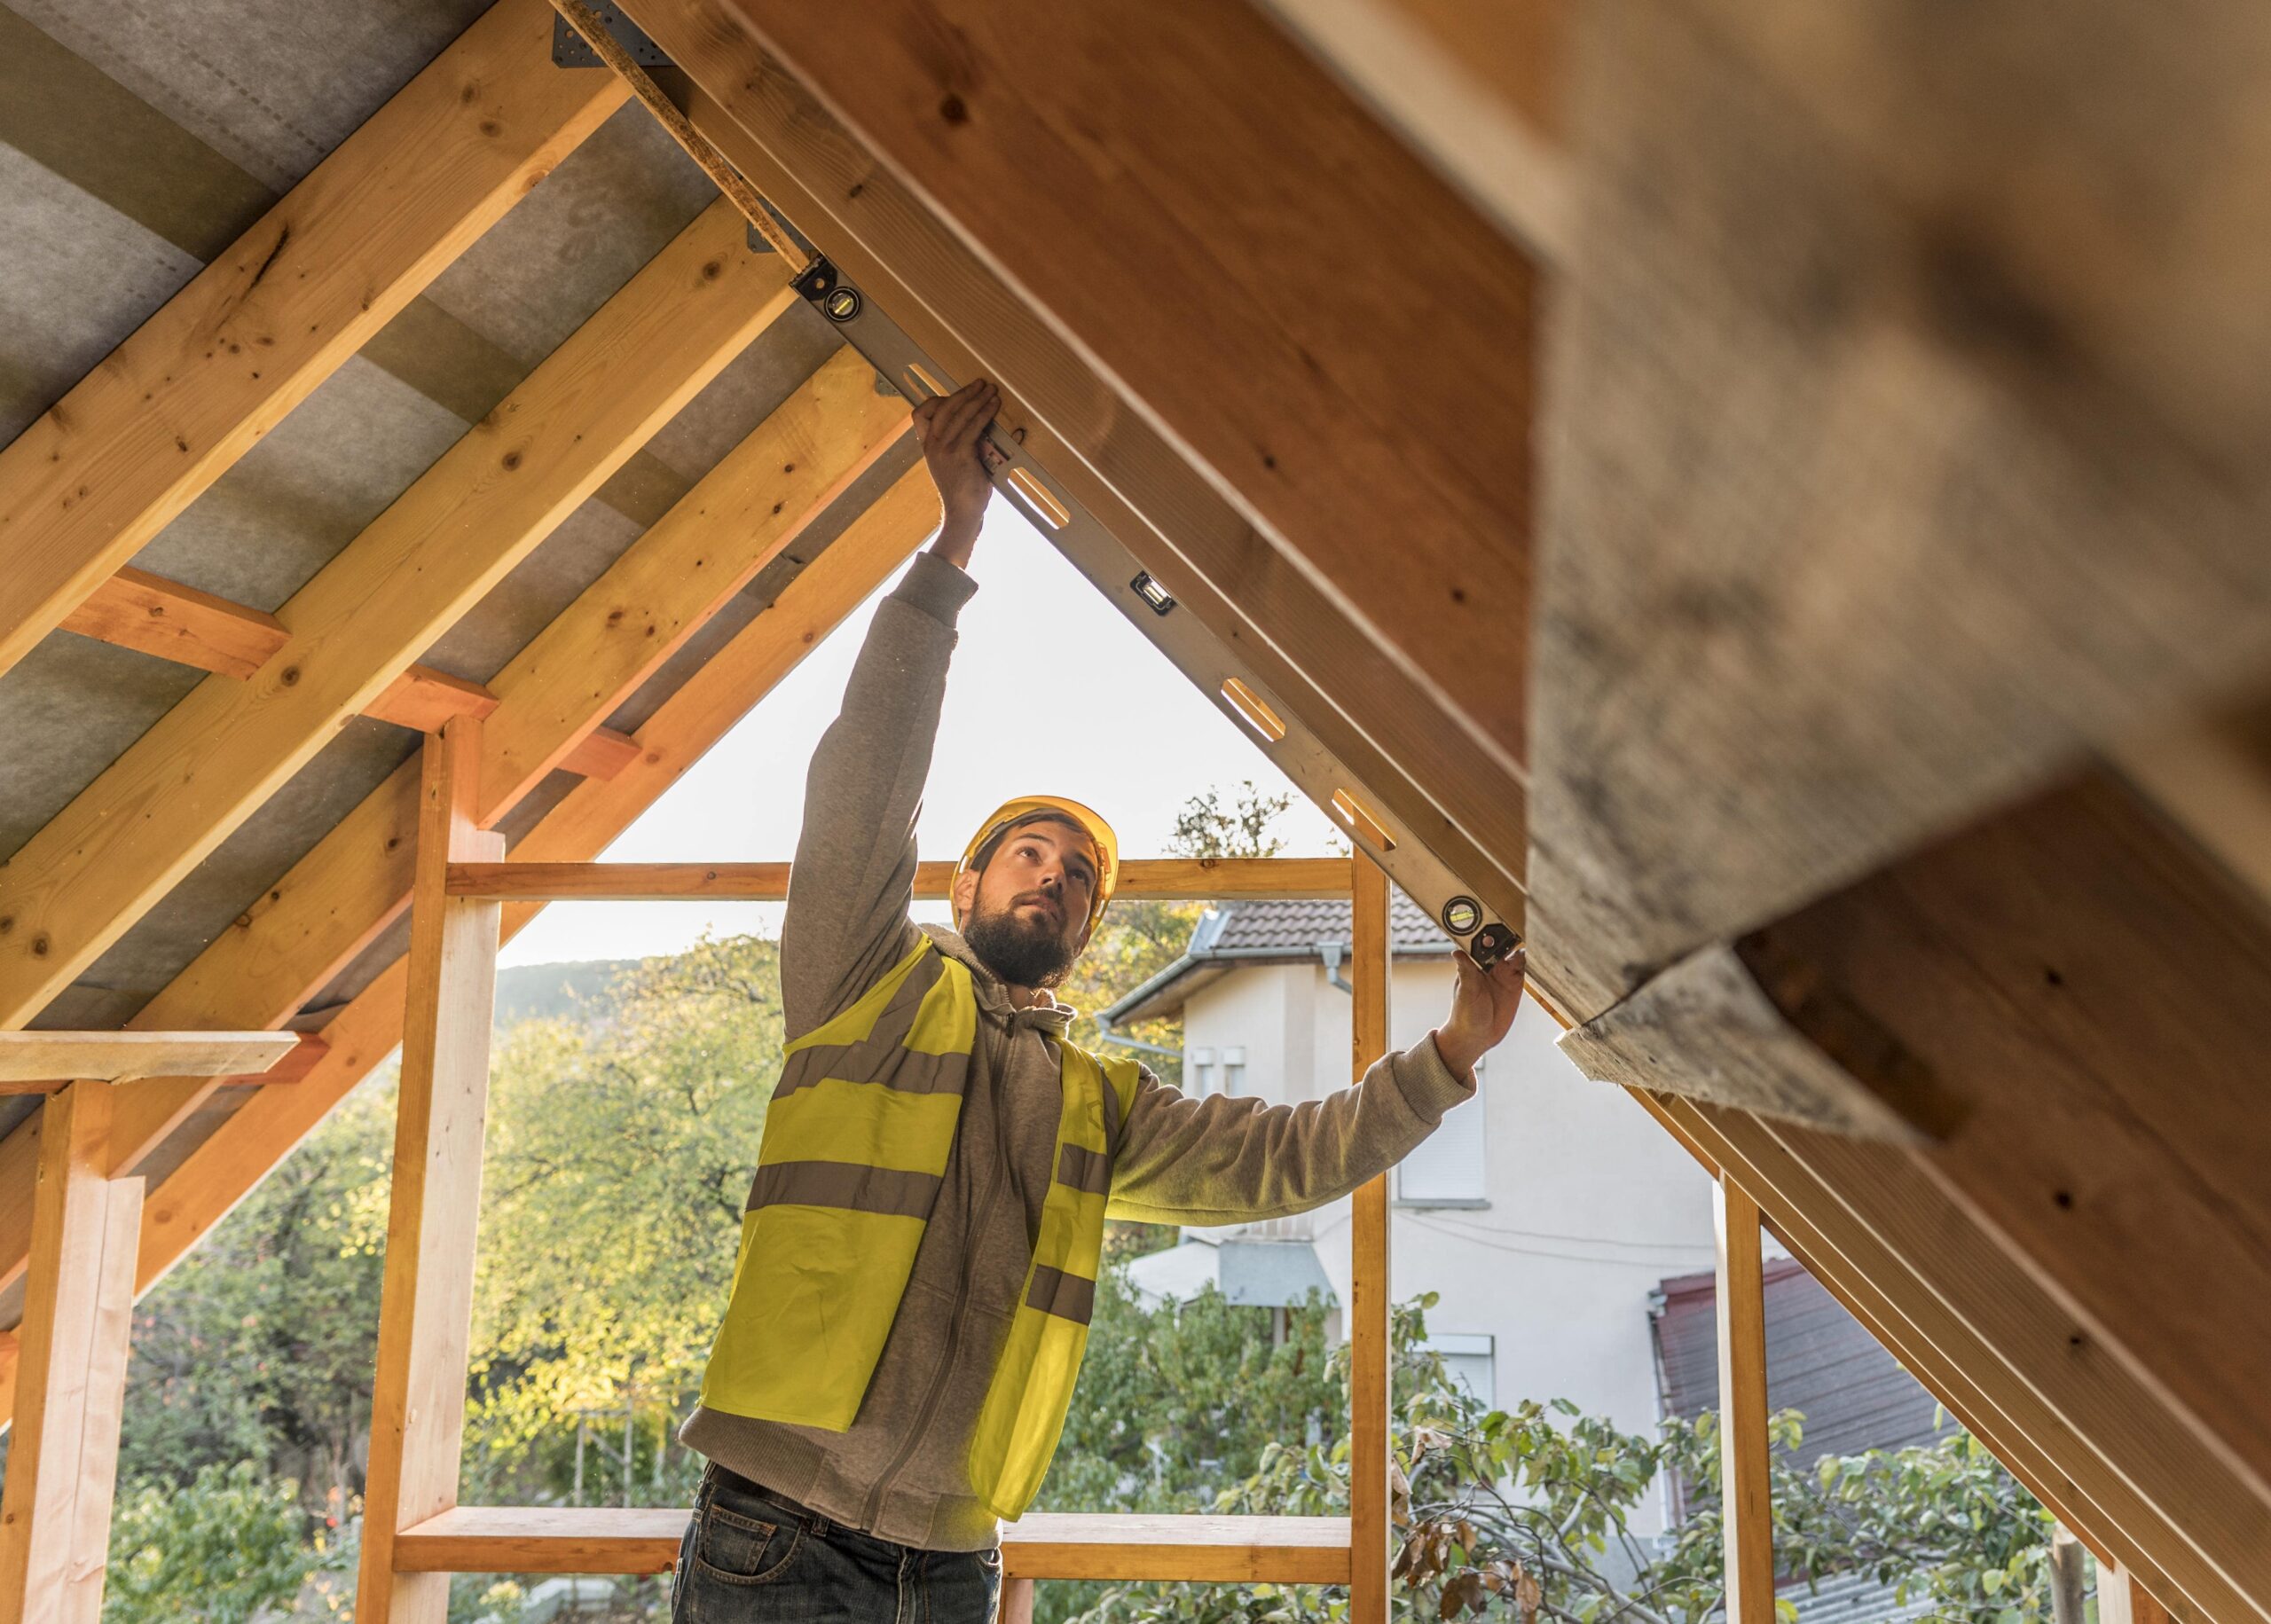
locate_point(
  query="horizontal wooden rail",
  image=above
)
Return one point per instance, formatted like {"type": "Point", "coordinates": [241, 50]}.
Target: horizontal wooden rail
{"type": "Point", "coordinates": [609, 1540]}
{"type": "Point", "coordinates": [151, 615]}
{"type": "Point", "coordinates": [44, 1062]}
{"type": "Point", "coordinates": [1159, 879]}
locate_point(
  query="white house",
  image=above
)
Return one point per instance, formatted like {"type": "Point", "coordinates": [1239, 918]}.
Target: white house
{"type": "Point", "coordinates": [1544, 1212]}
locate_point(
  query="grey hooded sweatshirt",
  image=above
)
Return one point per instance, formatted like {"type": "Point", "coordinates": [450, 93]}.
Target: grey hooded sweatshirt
{"type": "Point", "coordinates": [900, 1471]}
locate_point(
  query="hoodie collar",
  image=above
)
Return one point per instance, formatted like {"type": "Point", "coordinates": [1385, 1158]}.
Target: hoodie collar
{"type": "Point", "coordinates": [1052, 1019]}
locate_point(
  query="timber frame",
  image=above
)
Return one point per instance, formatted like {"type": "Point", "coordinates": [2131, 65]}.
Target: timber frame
{"type": "Point", "coordinates": [1827, 617]}
{"type": "Point", "coordinates": [416, 1534]}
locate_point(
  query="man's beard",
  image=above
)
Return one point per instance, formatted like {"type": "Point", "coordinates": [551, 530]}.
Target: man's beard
{"type": "Point", "coordinates": [1022, 952]}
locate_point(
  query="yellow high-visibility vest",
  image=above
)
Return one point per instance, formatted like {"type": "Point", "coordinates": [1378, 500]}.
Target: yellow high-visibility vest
{"type": "Point", "coordinates": [855, 1147]}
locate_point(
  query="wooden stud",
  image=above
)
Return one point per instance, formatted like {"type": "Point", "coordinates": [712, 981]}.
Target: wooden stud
{"type": "Point", "coordinates": [1361, 708]}
{"type": "Point", "coordinates": [208, 763]}
{"type": "Point", "coordinates": [237, 1155]}
{"type": "Point", "coordinates": [1040, 1545]}
{"type": "Point", "coordinates": [425, 1305]}
{"type": "Point", "coordinates": [136, 609]}
{"type": "Point", "coordinates": [2122, 1599]}
{"type": "Point", "coordinates": [222, 361]}
{"type": "Point", "coordinates": [39, 1058]}
{"type": "Point", "coordinates": [1372, 1459]}
{"type": "Point", "coordinates": [1746, 1507]}
{"type": "Point", "coordinates": [1152, 879]}
{"type": "Point", "coordinates": [71, 1375]}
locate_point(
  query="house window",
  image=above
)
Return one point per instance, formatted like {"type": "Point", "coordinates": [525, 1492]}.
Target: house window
{"type": "Point", "coordinates": [1470, 1360]}
{"type": "Point", "coordinates": [1234, 1071]}
{"type": "Point", "coordinates": [1447, 1168]}
{"type": "Point", "coordinates": [1202, 1071]}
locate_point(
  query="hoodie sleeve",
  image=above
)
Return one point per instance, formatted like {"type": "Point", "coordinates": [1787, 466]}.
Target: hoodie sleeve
{"type": "Point", "coordinates": [1223, 1159]}
{"type": "Point", "coordinates": [854, 877]}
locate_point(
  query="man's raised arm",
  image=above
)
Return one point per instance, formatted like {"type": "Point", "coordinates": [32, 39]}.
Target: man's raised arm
{"type": "Point", "coordinates": [853, 877]}
{"type": "Point", "coordinates": [1221, 1160]}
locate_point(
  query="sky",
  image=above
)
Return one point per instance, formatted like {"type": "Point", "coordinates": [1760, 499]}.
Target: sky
{"type": "Point", "coordinates": [1142, 739]}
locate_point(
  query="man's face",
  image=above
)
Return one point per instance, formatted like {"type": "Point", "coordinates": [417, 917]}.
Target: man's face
{"type": "Point", "coordinates": [1027, 912]}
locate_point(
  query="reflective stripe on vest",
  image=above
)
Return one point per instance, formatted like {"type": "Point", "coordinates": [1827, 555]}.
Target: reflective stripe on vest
{"type": "Point", "coordinates": [856, 1141]}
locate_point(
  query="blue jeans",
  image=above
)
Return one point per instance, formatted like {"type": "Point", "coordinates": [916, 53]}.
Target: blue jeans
{"type": "Point", "coordinates": [750, 1557]}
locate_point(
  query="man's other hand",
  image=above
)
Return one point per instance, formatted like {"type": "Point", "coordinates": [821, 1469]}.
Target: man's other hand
{"type": "Point", "coordinates": [947, 428]}
{"type": "Point", "coordinates": [1482, 1008]}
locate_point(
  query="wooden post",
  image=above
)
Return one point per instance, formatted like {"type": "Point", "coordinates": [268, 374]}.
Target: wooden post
{"type": "Point", "coordinates": [2122, 1600]}
{"type": "Point", "coordinates": [426, 1306]}
{"type": "Point", "coordinates": [78, 1308]}
{"type": "Point", "coordinates": [1371, 1504]}
{"type": "Point", "coordinates": [1016, 1601]}
{"type": "Point", "coordinates": [2068, 1580]}
{"type": "Point", "coordinates": [1748, 1527]}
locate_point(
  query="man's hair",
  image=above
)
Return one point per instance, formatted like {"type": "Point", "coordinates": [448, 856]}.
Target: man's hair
{"type": "Point", "coordinates": [992, 843]}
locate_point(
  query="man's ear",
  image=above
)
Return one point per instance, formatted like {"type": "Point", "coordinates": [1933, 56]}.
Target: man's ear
{"type": "Point", "coordinates": [965, 895]}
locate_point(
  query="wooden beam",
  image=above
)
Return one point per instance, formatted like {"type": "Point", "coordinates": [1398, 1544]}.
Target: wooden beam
{"type": "Point", "coordinates": [1857, 376]}
{"type": "Point", "coordinates": [1474, 84]}
{"type": "Point", "coordinates": [238, 1154]}
{"type": "Point", "coordinates": [602, 753]}
{"type": "Point", "coordinates": [1271, 352]}
{"type": "Point", "coordinates": [1372, 1453]}
{"type": "Point", "coordinates": [190, 781]}
{"type": "Point", "coordinates": [1159, 879]}
{"type": "Point", "coordinates": [1042, 1545]}
{"type": "Point", "coordinates": [224, 360]}
{"type": "Point", "coordinates": [2012, 1363]}
{"type": "Point", "coordinates": [356, 880]}
{"type": "Point", "coordinates": [425, 1305]}
{"type": "Point", "coordinates": [177, 622]}
{"type": "Point", "coordinates": [41, 1058]}
{"type": "Point", "coordinates": [421, 699]}
{"type": "Point", "coordinates": [136, 609]}
{"type": "Point", "coordinates": [2212, 774]}
{"type": "Point", "coordinates": [2074, 991]}
{"type": "Point", "coordinates": [1746, 1499]}
{"type": "Point", "coordinates": [1272, 625]}
{"type": "Point", "coordinates": [71, 1379]}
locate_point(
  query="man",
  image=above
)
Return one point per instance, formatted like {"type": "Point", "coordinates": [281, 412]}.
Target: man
{"type": "Point", "coordinates": [923, 1236]}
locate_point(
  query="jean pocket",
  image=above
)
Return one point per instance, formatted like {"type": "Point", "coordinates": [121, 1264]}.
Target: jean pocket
{"type": "Point", "coordinates": [743, 1551]}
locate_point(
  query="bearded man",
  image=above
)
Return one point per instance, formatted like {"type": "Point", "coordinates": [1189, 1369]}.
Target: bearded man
{"type": "Point", "coordinates": [919, 1253]}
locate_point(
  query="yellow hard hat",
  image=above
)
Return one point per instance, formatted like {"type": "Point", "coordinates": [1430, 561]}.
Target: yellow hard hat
{"type": "Point", "coordinates": [1095, 829]}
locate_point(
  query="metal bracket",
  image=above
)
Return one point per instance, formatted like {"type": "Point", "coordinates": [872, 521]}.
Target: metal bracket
{"type": "Point", "coordinates": [568, 50]}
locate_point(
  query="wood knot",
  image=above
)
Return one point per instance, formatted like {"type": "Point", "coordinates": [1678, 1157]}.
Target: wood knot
{"type": "Point", "coordinates": [952, 108]}
{"type": "Point", "coordinates": [512, 460]}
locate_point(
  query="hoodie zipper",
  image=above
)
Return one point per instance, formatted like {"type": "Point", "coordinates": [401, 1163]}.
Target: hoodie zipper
{"type": "Point", "coordinates": [945, 1367]}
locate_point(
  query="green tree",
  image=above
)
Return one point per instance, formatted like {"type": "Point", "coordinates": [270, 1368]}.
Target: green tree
{"type": "Point", "coordinates": [619, 1154]}
{"type": "Point", "coordinates": [259, 1346]}
{"type": "Point", "coordinates": [220, 1549]}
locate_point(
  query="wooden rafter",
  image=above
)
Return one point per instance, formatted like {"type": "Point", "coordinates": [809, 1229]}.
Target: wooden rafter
{"type": "Point", "coordinates": [239, 1153]}
{"type": "Point", "coordinates": [222, 362]}
{"type": "Point", "coordinates": [1270, 351]}
{"type": "Point", "coordinates": [356, 880]}
{"type": "Point", "coordinates": [1309, 660]}
{"type": "Point", "coordinates": [190, 781]}
{"type": "Point", "coordinates": [1474, 84]}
